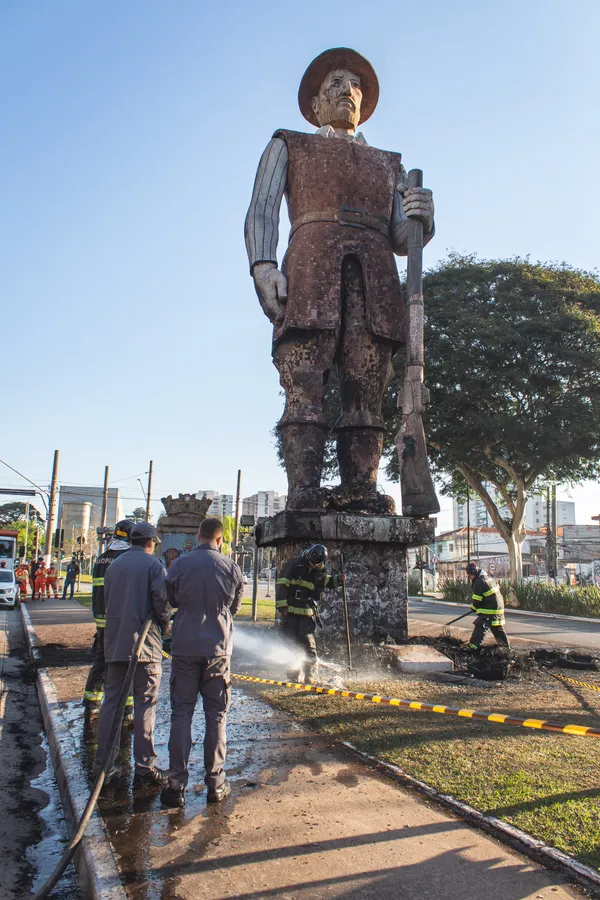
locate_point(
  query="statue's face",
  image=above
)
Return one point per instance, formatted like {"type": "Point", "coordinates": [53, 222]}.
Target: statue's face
{"type": "Point", "coordinates": [339, 99]}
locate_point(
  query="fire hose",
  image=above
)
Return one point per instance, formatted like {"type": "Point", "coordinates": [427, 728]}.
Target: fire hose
{"type": "Point", "coordinates": [113, 737]}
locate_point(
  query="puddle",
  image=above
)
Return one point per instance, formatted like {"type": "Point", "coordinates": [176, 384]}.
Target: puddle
{"type": "Point", "coordinates": [44, 855]}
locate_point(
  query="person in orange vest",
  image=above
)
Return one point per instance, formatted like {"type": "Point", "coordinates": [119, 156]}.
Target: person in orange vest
{"type": "Point", "coordinates": [22, 577]}
{"type": "Point", "coordinates": [52, 579]}
{"type": "Point", "coordinates": [41, 581]}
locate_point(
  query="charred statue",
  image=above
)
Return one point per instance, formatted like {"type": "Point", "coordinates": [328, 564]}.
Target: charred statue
{"type": "Point", "coordinates": [336, 302]}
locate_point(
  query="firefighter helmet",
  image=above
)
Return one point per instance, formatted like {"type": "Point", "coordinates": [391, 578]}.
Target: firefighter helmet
{"type": "Point", "coordinates": [472, 569]}
{"type": "Point", "coordinates": [316, 555]}
{"type": "Point", "coordinates": [123, 529]}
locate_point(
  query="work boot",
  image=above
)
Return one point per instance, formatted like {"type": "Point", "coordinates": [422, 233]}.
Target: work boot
{"type": "Point", "coordinates": [114, 774]}
{"type": "Point", "coordinates": [219, 793]}
{"type": "Point", "coordinates": [173, 797]}
{"type": "Point", "coordinates": [153, 777]}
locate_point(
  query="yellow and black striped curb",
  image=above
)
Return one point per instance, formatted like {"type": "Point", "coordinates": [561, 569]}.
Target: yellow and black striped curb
{"type": "Point", "coordinates": [499, 718]}
{"type": "Point", "coordinates": [584, 684]}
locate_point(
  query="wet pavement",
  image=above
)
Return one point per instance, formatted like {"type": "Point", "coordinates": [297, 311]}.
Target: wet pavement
{"type": "Point", "coordinates": [32, 828]}
{"type": "Point", "coordinates": [302, 822]}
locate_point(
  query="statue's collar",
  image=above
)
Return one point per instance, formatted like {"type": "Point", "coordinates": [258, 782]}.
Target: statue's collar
{"type": "Point", "coordinates": [328, 131]}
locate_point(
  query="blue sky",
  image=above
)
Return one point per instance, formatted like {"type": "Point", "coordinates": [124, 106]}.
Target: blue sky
{"type": "Point", "coordinates": [131, 135]}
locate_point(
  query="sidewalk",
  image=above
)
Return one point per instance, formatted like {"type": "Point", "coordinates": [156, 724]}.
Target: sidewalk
{"type": "Point", "coordinates": [303, 821]}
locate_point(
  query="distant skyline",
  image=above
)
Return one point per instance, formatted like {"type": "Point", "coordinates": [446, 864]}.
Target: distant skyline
{"type": "Point", "coordinates": [131, 136]}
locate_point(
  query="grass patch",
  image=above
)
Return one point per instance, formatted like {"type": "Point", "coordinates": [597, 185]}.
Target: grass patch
{"type": "Point", "coordinates": [265, 609]}
{"type": "Point", "coordinates": [546, 784]}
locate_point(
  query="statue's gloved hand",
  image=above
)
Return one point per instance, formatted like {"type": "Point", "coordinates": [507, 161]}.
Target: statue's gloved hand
{"type": "Point", "coordinates": [418, 202]}
{"type": "Point", "coordinates": [271, 287]}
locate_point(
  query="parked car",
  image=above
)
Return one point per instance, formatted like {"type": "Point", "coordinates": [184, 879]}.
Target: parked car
{"type": "Point", "coordinates": [9, 589]}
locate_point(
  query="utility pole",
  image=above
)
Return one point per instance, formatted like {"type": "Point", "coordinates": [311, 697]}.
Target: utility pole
{"type": "Point", "coordinates": [237, 513]}
{"type": "Point", "coordinates": [554, 541]}
{"type": "Point", "coordinates": [104, 509]}
{"type": "Point", "coordinates": [255, 585]}
{"type": "Point", "coordinates": [149, 493]}
{"type": "Point", "coordinates": [50, 525]}
{"type": "Point", "coordinates": [26, 531]}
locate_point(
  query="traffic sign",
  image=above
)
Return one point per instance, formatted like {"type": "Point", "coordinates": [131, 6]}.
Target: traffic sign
{"type": "Point", "coordinates": [492, 567]}
{"type": "Point", "coordinates": [434, 560]}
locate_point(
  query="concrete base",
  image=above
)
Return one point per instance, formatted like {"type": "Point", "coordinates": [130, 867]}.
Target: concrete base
{"type": "Point", "coordinates": [417, 658]}
{"type": "Point", "coordinates": [375, 556]}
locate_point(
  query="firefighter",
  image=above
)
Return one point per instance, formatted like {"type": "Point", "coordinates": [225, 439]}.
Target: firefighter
{"type": "Point", "coordinates": [52, 579]}
{"type": "Point", "coordinates": [41, 581]}
{"type": "Point", "coordinates": [22, 577]}
{"type": "Point", "coordinates": [94, 686]}
{"type": "Point", "coordinates": [488, 603]}
{"type": "Point", "coordinates": [297, 590]}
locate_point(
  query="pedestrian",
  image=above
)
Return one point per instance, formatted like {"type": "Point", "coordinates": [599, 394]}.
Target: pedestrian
{"type": "Point", "coordinates": [35, 564]}
{"type": "Point", "coordinates": [70, 579]}
{"type": "Point", "coordinates": [41, 581]}
{"type": "Point", "coordinates": [52, 579]}
{"type": "Point", "coordinates": [206, 590]}
{"type": "Point", "coordinates": [94, 686]}
{"type": "Point", "coordinates": [22, 576]}
{"type": "Point", "coordinates": [134, 590]}
{"type": "Point", "coordinates": [297, 590]}
{"type": "Point", "coordinates": [488, 603]}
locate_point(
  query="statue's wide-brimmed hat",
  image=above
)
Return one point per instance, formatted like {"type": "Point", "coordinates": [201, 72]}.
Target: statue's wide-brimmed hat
{"type": "Point", "coordinates": [329, 61]}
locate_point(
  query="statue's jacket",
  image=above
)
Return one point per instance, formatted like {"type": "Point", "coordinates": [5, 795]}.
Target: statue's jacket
{"type": "Point", "coordinates": [339, 197]}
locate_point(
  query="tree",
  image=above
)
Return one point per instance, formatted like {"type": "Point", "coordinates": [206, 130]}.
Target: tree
{"type": "Point", "coordinates": [11, 512]}
{"type": "Point", "coordinates": [138, 514]}
{"type": "Point", "coordinates": [513, 365]}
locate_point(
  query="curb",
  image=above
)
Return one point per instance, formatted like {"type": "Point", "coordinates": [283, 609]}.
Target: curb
{"type": "Point", "coordinates": [94, 859]}
{"type": "Point", "coordinates": [508, 834]}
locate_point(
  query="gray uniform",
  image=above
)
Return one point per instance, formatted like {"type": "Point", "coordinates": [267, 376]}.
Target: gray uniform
{"type": "Point", "coordinates": [134, 589]}
{"type": "Point", "coordinates": [207, 590]}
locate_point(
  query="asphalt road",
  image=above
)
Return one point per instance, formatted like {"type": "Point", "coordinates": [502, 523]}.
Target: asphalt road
{"type": "Point", "coordinates": [32, 831]}
{"type": "Point", "coordinates": [560, 630]}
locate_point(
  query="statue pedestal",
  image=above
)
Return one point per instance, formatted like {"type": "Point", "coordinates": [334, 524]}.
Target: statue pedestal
{"type": "Point", "coordinates": [375, 552]}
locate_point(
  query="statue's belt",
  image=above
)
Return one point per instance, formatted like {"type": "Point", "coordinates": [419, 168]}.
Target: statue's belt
{"type": "Point", "coordinates": [345, 215]}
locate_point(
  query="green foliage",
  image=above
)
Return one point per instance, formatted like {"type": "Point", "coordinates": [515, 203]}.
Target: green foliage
{"type": "Point", "coordinates": [455, 590]}
{"type": "Point", "coordinates": [138, 514]}
{"type": "Point", "coordinates": [414, 585]}
{"type": "Point", "coordinates": [535, 596]}
{"type": "Point", "coordinates": [20, 526]}
{"type": "Point", "coordinates": [513, 364]}
{"type": "Point", "coordinates": [562, 599]}
{"type": "Point", "coordinates": [11, 512]}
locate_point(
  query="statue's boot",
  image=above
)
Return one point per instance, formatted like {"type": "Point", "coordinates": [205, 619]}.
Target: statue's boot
{"type": "Point", "coordinates": [359, 450]}
{"type": "Point", "coordinates": [303, 447]}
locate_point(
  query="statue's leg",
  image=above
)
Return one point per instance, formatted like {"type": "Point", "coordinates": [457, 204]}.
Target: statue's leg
{"type": "Point", "coordinates": [365, 370]}
{"type": "Point", "coordinates": [303, 362]}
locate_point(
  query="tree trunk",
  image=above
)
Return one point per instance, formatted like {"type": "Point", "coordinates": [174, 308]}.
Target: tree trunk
{"type": "Point", "coordinates": [513, 532]}
{"type": "Point", "coordinates": [515, 559]}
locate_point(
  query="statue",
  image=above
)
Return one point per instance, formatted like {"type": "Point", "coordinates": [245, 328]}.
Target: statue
{"type": "Point", "coordinates": [336, 300]}
{"type": "Point", "coordinates": [178, 529]}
